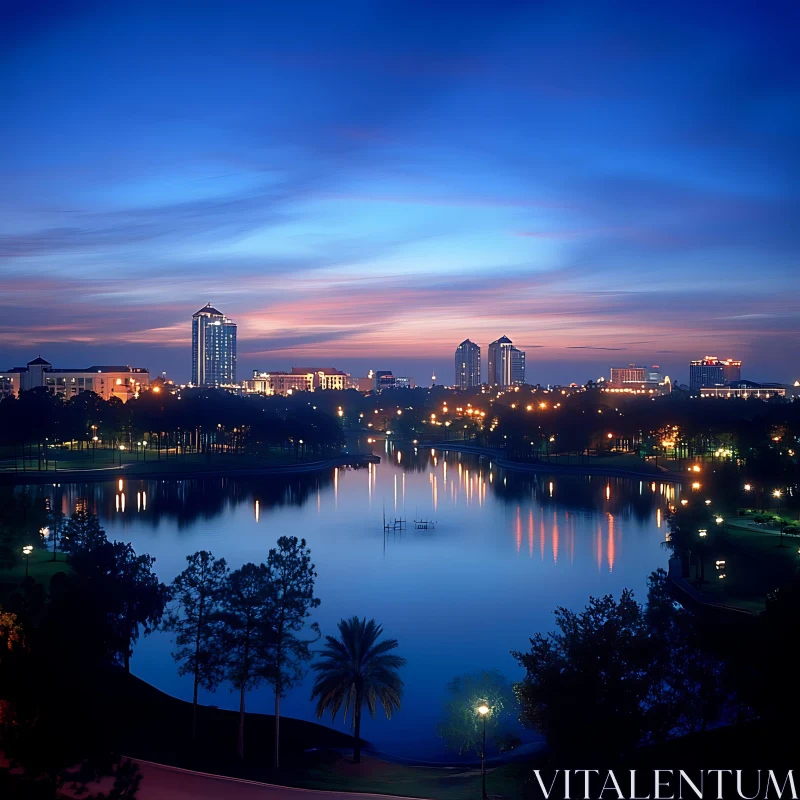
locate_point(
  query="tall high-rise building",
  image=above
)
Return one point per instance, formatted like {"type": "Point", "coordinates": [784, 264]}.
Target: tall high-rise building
{"type": "Point", "coordinates": [506, 363]}
{"type": "Point", "coordinates": [731, 370]}
{"type": "Point", "coordinates": [499, 366]}
{"type": "Point", "coordinates": [213, 348]}
{"type": "Point", "coordinates": [468, 365]}
{"type": "Point", "coordinates": [710, 371]}
{"type": "Point", "coordinates": [517, 366]}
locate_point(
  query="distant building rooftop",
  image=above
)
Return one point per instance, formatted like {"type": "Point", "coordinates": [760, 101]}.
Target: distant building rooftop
{"type": "Point", "coordinates": [208, 309]}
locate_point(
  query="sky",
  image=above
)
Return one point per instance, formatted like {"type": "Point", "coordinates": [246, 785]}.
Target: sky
{"type": "Point", "coordinates": [366, 184]}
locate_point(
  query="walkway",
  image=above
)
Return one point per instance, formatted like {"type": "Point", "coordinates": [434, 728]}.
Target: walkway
{"type": "Point", "coordinates": [160, 782]}
{"type": "Point", "coordinates": [551, 468]}
{"type": "Point", "coordinates": [190, 472]}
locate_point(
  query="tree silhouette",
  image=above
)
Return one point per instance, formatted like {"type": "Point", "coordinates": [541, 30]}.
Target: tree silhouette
{"type": "Point", "coordinates": [593, 669]}
{"type": "Point", "coordinates": [245, 632]}
{"type": "Point", "coordinates": [194, 620]}
{"type": "Point", "coordinates": [631, 675]}
{"type": "Point", "coordinates": [82, 532]}
{"type": "Point", "coordinates": [291, 577]}
{"type": "Point", "coordinates": [123, 589]}
{"type": "Point", "coordinates": [357, 669]}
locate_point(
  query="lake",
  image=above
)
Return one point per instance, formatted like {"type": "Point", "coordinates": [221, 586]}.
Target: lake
{"type": "Point", "coordinates": [507, 548]}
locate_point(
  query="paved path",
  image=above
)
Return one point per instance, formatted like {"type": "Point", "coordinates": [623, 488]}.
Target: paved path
{"type": "Point", "coordinates": [160, 782]}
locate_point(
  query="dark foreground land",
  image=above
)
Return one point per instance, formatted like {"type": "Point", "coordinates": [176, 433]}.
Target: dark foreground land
{"type": "Point", "coordinates": [153, 726]}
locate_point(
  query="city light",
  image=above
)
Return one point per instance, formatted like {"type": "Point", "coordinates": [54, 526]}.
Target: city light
{"type": "Point", "coordinates": [747, 487]}
{"type": "Point", "coordinates": [777, 493]}
{"type": "Point", "coordinates": [696, 486]}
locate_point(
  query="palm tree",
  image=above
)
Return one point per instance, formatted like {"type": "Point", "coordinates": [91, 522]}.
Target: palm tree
{"type": "Point", "coordinates": [355, 669]}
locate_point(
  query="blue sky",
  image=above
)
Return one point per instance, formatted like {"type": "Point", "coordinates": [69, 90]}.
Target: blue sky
{"type": "Point", "coordinates": [367, 184]}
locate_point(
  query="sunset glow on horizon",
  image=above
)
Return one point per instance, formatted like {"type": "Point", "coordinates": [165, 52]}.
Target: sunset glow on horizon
{"type": "Point", "coordinates": [368, 189]}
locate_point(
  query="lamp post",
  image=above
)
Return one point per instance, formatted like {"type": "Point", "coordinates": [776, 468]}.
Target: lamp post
{"type": "Point", "coordinates": [121, 448]}
{"type": "Point", "coordinates": [702, 533]}
{"type": "Point", "coordinates": [483, 710]}
{"type": "Point", "coordinates": [777, 495]}
{"type": "Point", "coordinates": [26, 551]}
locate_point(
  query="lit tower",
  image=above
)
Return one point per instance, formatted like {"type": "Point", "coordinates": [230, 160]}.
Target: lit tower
{"type": "Point", "coordinates": [213, 348]}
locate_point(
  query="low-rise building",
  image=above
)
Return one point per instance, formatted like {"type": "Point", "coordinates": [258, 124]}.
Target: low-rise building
{"type": "Point", "coordinates": [745, 389]}
{"type": "Point", "coordinates": [300, 379]}
{"type": "Point", "coordinates": [123, 382]}
{"type": "Point", "coordinates": [637, 380]}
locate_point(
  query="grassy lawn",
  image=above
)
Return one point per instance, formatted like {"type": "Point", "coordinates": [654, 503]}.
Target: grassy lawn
{"type": "Point", "coordinates": [439, 783]}
{"type": "Point", "coordinates": [41, 567]}
{"type": "Point", "coordinates": [754, 564]}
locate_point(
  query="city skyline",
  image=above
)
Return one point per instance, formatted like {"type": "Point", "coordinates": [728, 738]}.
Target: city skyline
{"type": "Point", "coordinates": [619, 190]}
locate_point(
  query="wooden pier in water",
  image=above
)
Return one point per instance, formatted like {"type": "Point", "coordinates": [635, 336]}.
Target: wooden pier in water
{"type": "Point", "coordinates": [393, 525]}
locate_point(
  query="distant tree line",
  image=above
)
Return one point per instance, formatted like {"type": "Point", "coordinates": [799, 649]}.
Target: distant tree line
{"type": "Point", "coordinates": [204, 421]}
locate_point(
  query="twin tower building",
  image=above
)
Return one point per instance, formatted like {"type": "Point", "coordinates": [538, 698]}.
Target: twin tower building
{"type": "Point", "coordinates": [506, 364]}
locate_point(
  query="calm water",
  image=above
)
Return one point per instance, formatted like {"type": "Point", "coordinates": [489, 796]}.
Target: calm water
{"type": "Point", "coordinates": [506, 550]}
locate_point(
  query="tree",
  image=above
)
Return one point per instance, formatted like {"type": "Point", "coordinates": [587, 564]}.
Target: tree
{"type": "Point", "coordinates": [54, 529]}
{"type": "Point", "coordinates": [194, 619]}
{"type": "Point", "coordinates": [594, 670]}
{"type": "Point", "coordinates": [50, 737]}
{"type": "Point", "coordinates": [355, 669]}
{"type": "Point", "coordinates": [630, 676]}
{"type": "Point", "coordinates": [291, 577]}
{"type": "Point", "coordinates": [123, 590]}
{"type": "Point", "coordinates": [82, 532]}
{"type": "Point", "coordinates": [244, 632]}
{"type": "Point", "coordinates": [461, 726]}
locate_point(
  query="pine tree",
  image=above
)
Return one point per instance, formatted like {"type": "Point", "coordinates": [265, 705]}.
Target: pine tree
{"type": "Point", "coordinates": [244, 632]}
{"type": "Point", "coordinates": [291, 575]}
{"type": "Point", "coordinates": [82, 532]}
{"type": "Point", "coordinates": [194, 619]}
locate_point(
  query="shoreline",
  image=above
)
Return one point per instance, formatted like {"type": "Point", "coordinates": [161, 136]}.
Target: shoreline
{"type": "Point", "coordinates": [560, 469]}
{"type": "Point", "coordinates": [112, 473]}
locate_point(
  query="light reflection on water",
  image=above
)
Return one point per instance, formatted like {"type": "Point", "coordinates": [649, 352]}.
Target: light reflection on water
{"type": "Point", "coordinates": [507, 549]}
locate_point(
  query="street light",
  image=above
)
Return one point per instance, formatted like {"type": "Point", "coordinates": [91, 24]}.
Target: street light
{"type": "Point", "coordinates": [719, 520]}
{"type": "Point", "coordinates": [702, 533]}
{"type": "Point", "coordinates": [121, 448]}
{"type": "Point", "coordinates": [26, 551]}
{"type": "Point", "coordinates": [483, 710]}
